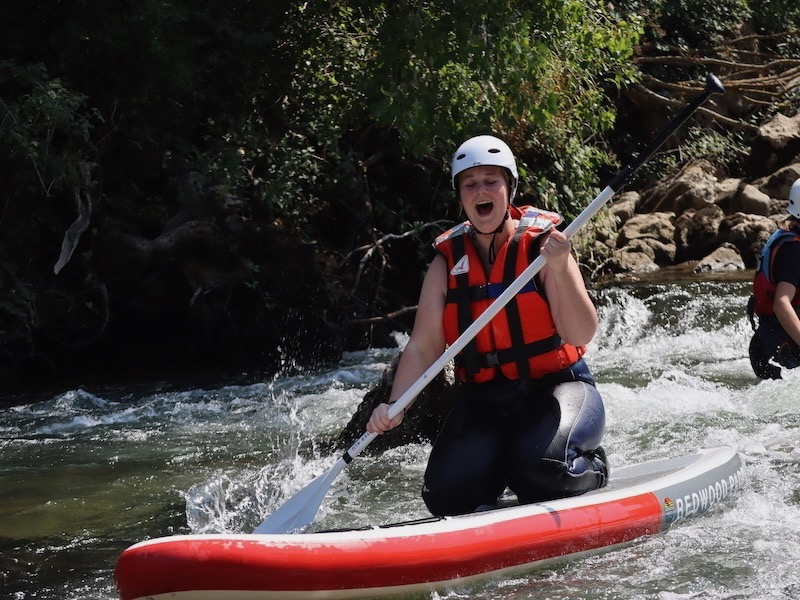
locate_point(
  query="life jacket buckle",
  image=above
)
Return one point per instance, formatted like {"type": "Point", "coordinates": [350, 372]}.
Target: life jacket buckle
{"type": "Point", "coordinates": [492, 360]}
{"type": "Point", "coordinates": [482, 292]}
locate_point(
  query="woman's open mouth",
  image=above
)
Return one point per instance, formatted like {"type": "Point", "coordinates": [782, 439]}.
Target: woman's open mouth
{"type": "Point", "coordinates": [484, 208]}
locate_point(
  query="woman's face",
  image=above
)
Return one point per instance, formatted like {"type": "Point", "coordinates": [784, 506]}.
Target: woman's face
{"type": "Point", "coordinates": [484, 196]}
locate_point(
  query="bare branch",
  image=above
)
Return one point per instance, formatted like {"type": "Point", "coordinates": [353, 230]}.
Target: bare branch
{"type": "Point", "coordinates": [377, 246]}
{"type": "Point", "coordinates": [387, 317]}
{"type": "Point", "coordinates": [706, 111]}
{"type": "Point", "coordinates": [761, 78]}
{"type": "Point", "coordinates": [83, 206]}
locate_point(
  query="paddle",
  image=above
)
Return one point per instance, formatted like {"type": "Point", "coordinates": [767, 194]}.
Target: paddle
{"type": "Point", "coordinates": [300, 510]}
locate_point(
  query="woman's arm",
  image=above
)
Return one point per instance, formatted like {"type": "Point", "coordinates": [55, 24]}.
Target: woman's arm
{"type": "Point", "coordinates": [786, 313]}
{"type": "Point", "coordinates": [424, 347]}
{"type": "Point", "coordinates": [573, 311]}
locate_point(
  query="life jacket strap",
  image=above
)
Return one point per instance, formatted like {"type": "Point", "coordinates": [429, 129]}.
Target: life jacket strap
{"type": "Point", "coordinates": [483, 292]}
{"type": "Point", "coordinates": [469, 355]}
{"type": "Point", "coordinates": [489, 360]}
{"type": "Point", "coordinates": [512, 308]}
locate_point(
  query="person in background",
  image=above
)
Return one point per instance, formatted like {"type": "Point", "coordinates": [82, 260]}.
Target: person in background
{"type": "Point", "coordinates": [527, 414]}
{"type": "Point", "coordinates": [776, 298]}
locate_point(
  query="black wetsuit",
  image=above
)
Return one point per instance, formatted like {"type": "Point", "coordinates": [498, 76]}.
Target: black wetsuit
{"type": "Point", "coordinates": [541, 439]}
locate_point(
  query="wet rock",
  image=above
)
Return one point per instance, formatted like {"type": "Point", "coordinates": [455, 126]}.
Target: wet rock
{"type": "Point", "coordinates": [624, 206]}
{"type": "Point", "coordinates": [629, 260]}
{"type": "Point", "coordinates": [747, 233]}
{"type": "Point", "coordinates": [658, 226]}
{"type": "Point", "coordinates": [706, 213]}
{"type": "Point", "coordinates": [752, 200]}
{"type": "Point", "coordinates": [777, 144]}
{"type": "Point", "coordinates": [694, 186]}
{"type": "Point", "coordinates": [724, 258]}
{"type": "Point", "coordinates": [696, 232]}
{"type": "Point", "coordinates": [423, 419]}
{"type": "Point", "coordinates": [726, 189]}
{"type": "Point", "coordinates": [777, 184]}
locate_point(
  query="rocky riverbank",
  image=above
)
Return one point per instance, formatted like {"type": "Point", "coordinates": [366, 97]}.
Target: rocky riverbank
{"type": "Point", "coordinates": [701, 220]}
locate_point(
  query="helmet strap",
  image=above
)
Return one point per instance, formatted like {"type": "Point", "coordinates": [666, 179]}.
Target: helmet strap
{"type": "Point", "coordinates": [492, 251]}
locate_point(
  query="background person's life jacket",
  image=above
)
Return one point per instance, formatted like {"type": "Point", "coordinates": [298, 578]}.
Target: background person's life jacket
{"type": "Point", "coordinates": [764, 285]}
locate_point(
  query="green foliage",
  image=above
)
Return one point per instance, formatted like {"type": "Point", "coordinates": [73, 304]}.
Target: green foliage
{"type": "Point", "coordinates": [322, 101]}
{"type": "Point", "coordinates": [661, 16]}
{"type": "Point", "coordinates": [316, 113]}
{"type": "Point", "coordinates": [46, 151]}
{"type": "Point", "coordinates": [697, 25]}
{"type": "Point", "coordinates": [263, 97]}
{"type": "Point", "coordinates": [537, 73]}
{"type": "Point", "coordinates": [534, 72]}
{"type": "Point", "coordinates": [777, 16]}
{"type": "Point", "coordinates": [726, 150]}
{"type": "Point", "coordinates": [448, 69]}
{"type": "Point", "coordinates": [703, 23]}
{"type": "Point", "coordinates": [46, 131]}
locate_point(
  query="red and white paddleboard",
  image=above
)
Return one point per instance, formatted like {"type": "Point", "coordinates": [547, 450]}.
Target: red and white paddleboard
{"type": "Point", "coordinates": [642, 499]}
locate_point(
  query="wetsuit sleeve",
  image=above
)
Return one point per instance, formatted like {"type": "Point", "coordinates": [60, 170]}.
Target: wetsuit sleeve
{"type": "Point", "coordinates": [787, 264]}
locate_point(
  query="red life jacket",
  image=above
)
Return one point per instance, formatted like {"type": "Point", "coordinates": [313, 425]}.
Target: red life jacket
{"type": "Point", "coordinates": [764, 284]}
{"type": "Point", "coordinates": [521, 342]}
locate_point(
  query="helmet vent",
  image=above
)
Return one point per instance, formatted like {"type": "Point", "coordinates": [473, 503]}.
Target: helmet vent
{"type": "Point", "coordinates": [460, 156]}
{"type": "Point", "coordinates": [494, 150]}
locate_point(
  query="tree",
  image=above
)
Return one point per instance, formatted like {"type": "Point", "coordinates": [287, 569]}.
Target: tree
{"type": "Point", "coordinates": [142, 122]}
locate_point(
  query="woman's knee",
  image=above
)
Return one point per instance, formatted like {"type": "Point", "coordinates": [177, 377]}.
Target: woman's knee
{"type": "Point", "coordinates": [549, 478]}
{"type": "Point", "coordinates": [463, 469]}
{"type": "Point", "coordinates": [458, 500]}
{"type": "Point", "coordinates": [582, 424]}
{"type": "Point", "coordinates": [761, 360]}
{"type": "Point", "coordinates": [456, 488]}
{"type": "Point", "coordinates": [573, 462]}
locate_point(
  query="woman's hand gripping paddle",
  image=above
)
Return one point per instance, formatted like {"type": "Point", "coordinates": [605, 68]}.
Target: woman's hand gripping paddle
{"type": "Point", "coordinates": [300, 510]}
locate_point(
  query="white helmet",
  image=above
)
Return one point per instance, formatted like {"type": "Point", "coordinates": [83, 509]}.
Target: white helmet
{"type": "Point", "coordinates": [794, 200]}
{"type": "Point", "coordinates": [485, 150]}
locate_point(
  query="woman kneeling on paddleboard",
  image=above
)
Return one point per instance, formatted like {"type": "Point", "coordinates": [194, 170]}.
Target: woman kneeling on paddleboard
{"type": "Point", "coordinates": [527, 414]}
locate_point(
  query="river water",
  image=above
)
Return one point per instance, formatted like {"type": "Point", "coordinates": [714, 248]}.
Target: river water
{"type": "Point", "coordinates": [87, 472]}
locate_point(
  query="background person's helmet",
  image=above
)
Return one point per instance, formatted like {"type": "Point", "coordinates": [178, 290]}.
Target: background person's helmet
{"type": "Point", "coordinates": [485, 150]}
{"type": "Point", "coordinates": [794, 200]}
